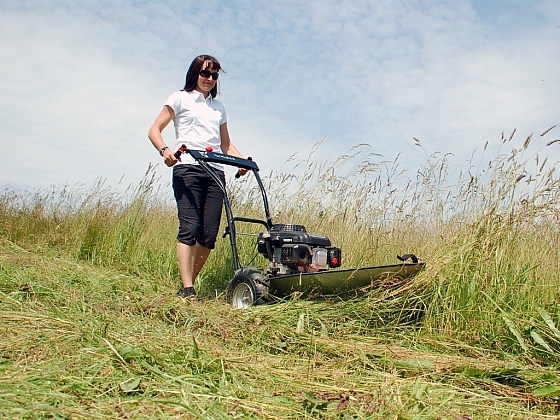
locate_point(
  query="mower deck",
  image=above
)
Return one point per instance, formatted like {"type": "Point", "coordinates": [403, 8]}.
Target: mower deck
{"type": "Point", "coordinates": [340, 281]}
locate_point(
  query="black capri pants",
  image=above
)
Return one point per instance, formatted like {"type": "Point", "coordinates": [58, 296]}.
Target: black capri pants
{"type": "Point", "coordinates": [199, 204]}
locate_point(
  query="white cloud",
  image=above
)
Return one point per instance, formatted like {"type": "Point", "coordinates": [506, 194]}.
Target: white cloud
{"type": "Point", "coordinates": [82, 83]}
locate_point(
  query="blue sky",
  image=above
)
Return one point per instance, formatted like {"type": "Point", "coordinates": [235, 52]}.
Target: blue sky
{"type": "Point", "coordinates": [82, 81]}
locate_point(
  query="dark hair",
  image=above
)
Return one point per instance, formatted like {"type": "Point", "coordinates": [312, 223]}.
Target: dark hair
{"type": "Point", "coordinates": [194, 69]}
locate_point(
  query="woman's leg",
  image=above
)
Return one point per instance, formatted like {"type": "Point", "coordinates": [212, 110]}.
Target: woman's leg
{"type": "Point", "coordinates": [191, 259]}
{"type": "Point", "coordinates": [199, 203]}
{"type": "Point", "coordinates": [200, 257]}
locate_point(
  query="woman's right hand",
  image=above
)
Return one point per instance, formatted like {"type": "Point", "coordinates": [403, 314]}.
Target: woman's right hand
{"type": "Point", "coordinates": [169, 157]}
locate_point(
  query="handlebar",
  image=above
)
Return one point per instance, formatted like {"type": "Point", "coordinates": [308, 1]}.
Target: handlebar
{"type": "Point", "coordinates": [209, 156]}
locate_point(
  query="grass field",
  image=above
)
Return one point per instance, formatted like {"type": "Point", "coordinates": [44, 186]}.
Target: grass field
{"type": "Point", "coordinates": [91, 327]}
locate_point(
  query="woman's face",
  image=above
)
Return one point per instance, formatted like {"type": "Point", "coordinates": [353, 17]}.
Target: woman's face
{"type": "Point", "coordinates": [205, 84]}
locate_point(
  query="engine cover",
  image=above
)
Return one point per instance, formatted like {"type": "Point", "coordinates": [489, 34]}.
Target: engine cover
{"type": "Point", "coordinates": [277, 239]}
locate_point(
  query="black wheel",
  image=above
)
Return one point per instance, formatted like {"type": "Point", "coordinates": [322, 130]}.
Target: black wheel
{"type": "Point", "coordinates": [247, 288]}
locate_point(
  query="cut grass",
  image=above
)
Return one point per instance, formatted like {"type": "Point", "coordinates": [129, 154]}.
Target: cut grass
{"type": "Point", "coordinates": [91, 342]}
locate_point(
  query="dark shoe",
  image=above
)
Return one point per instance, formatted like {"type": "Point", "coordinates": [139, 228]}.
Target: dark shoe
{"type": "Point", "coordinates": [187, 293]}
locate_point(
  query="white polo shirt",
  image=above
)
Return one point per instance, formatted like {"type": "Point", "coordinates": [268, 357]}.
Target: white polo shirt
{"type": "Point", "coordinates": [197, 122]}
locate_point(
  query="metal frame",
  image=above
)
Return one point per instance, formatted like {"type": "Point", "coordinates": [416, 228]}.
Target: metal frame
{"type": "Point", "coordinates": [204, 158]}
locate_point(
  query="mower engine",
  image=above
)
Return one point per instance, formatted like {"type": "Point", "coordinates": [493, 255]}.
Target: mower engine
{"type": "Point", "coordinates": [291, 250]}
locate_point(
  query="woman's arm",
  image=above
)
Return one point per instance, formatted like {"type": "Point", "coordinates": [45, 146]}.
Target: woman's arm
{"type": "Point", "coordinates": [227, 146]}
{"type": "Point", "coordinates": [162, 120]}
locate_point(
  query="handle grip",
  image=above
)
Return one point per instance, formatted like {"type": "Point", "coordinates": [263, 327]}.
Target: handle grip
{"type": "Point", "coordinates": [238, 175]}
{"type": "Point", "coordinates": [182, 149]}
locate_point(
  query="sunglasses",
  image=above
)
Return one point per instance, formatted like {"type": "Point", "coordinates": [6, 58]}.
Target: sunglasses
{"type": "Point", "coordinates": [207, 73]}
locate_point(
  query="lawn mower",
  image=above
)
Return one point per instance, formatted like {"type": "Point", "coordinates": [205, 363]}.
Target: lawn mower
{"type": "Point", "coordinates": [298, 261]}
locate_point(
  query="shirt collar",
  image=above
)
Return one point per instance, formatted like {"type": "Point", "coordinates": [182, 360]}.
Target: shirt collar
{"type": "Point", "coordinates": [199, 97]}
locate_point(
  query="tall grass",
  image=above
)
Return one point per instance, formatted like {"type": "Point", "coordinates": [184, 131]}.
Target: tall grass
{"type": "Point", "coordinates": [478, 331]}
{"type": "Point", "coordinates": [133, 229]}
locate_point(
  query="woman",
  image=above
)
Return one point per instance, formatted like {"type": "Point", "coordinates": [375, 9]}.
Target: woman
{"type": "Point", "coordinates": [200, 120]}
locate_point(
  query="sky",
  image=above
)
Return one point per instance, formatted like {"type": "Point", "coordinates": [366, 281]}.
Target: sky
{"type": "Point", "coordinates": [81, 82]}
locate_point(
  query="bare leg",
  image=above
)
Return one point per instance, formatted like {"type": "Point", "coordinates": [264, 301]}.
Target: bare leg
{"type": "Point", "coordinates": [201, 255]}
{"type": "Point", "coordinates": [191, 259]}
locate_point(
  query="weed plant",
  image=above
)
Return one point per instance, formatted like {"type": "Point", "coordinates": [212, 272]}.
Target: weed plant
{"type": "Point", "coordinates": [91, 327]}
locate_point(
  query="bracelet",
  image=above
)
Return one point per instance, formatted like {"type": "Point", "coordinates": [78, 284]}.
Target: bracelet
{"type": "Point", "coordinates": [162, 149]}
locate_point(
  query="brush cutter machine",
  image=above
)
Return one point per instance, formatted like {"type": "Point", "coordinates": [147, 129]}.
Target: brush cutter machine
{"type": "Point", "coordinates": [298, 261]}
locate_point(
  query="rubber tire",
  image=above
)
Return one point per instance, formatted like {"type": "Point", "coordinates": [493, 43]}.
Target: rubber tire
{"type": "Point", "coordinates": [247, 288]}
